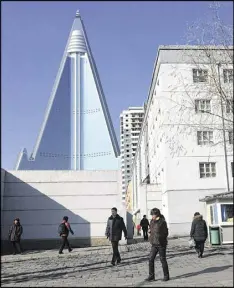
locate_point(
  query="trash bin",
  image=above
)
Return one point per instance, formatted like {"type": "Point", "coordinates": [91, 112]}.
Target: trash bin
{"type": "Point", "coordinates": [214, 236]}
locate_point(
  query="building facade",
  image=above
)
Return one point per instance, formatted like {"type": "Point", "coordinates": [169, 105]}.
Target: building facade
{"type": "Point", "coordinates": [77, 131]}
{"type": "Point", "coordinates": [185, 149]}
{"type": "Point", "coordinates": [130, 127]}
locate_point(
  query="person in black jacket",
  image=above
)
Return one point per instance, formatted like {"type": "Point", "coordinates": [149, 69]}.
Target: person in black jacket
{"type": "Point", "coordinates": [114, 228]}
{"type": "Point", "coordinates": [158, 240]}
{"type": "Point", "coordinates": [15, 233]}
{"type": "Point", "coordinates": [144, 225]}
{"type": "Point", "coordinates": [65, 229]}
{"type": "Point", "coordinates": [199, 233]}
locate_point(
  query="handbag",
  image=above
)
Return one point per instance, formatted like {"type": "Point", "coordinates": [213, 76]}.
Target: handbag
{"type": "Point", "coordinates": [191, 243]}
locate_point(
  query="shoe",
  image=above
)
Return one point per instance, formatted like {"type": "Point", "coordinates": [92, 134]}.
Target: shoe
{"type": "Point", "coordinates": [118, 261]}
{"type": "Point", "coordinates": [60, 252]}
{"type": "Point", "coordinates": [112, 263]}
{"type": "Point", "coordinates": [70, 250]}
{"type": "Point", "coordinates": [150, 278]}
{"type": "Point", "coordinates": [14, 253]}
{"type": "Point", "coordinates": [166, 278]}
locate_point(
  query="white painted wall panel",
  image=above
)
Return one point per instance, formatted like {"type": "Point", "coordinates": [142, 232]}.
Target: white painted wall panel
{"type": "Point", "coordinates": [41, 201]}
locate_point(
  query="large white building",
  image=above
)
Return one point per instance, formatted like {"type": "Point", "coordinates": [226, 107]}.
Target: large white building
{"type": "Point", "coordinates": [180, 155]}
{"type": "Point", "coordinates": [130, 127]}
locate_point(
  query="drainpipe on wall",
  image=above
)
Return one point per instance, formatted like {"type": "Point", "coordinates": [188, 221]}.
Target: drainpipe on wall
{"type": "Point", "coordinates": [224, 134]}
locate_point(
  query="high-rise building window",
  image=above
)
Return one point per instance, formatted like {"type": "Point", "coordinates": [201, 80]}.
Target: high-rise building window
{"type": "Point", "coordinates": [204, 137]}
{"type": "Point", "coordinates": [202, 106]}
{"type": "Point", "coordinates": [207, 169]}
{"type": "Point", "coordinates": [228, 75]}
{"type": "Point", "coordinates": [200, 75]}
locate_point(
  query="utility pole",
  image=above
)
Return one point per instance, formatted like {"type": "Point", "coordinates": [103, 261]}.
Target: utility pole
{"type": "Point", "coordinates": [224, 134]}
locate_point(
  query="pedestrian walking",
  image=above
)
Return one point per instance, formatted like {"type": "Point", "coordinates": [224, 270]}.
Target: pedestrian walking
{"type": "Point", "coordinates": [138, 227]}
{"type": "Point", "coordinates": [199, 233]}
{"type": "Point", "coordinates": [63, 230]}
{"type": "Point", "coordinates": [15, 232]}
{"type": "Point", "coordinates": [145, 225]}
{"type": "Point", "coordinates": [114, 228]}
{"type": "Point", "coordinates": [158, 240]}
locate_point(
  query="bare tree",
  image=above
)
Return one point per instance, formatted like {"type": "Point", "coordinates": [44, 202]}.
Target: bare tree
{"type": "Point", "coordinates": [210, 97]}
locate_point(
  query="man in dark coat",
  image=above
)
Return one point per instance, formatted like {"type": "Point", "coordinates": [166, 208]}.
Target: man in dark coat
{"type": "Point", "coordinates": [199, 233]}
{"type": "Point", "coordinates": [158, 240]}
{"type": "Point", "coordinates": [114, 228]}
{"type": "Point", "coordinates": [64, 235]}
{"type": "Point", "coordinates": [144, 225]}
{"type": "Point", "coordinates": [15, 233]}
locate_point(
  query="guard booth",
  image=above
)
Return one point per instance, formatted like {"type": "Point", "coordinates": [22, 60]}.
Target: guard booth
{"type": "Point", "coordinates": [219, 212]}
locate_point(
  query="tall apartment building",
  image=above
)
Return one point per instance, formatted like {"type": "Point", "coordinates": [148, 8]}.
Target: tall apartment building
{"type": "Point", "coordinates": [130, 127]}
{"type": "Point", "coordinates": [181, 155]}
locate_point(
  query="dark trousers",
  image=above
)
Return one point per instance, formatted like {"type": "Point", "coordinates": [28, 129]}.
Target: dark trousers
{"type": "Point", "coordinates": [64, 242]}
{"type": "Point", "coordinates": [16, 246]}
{"type": "Point", "coordinates": [162, 254]}
{"type": "Point", "coordinates": [199, 246]}
{"type": "Point", "coordinates": [116, 255]}
{"type": "Point", "coordinates": [145, 232]}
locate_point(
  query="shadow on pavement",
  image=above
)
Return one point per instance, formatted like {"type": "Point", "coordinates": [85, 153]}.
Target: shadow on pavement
{"type": "Point", "coordinates": [67, 271]}
{"type": "Point", "coordinates": [207, 270]}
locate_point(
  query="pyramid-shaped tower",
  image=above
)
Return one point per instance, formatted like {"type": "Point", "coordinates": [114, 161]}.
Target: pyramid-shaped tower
{"type": "Point", "coordinates": [77, 132]}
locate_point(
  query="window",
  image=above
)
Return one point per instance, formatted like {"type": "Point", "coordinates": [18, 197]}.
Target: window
{"type": "Point", "coordinates": [200, 75]}
{"type": "Point", "coordinates": [232, 169]}
{"type": "Point", "coordinates": [230, 137]}
{"type": "Point", "coordinates": [204, 137]}
{"type": "Point", "coordinates": [229, 106]}
{"type": "Point", "coordinates": [207, 169]}
{"type": "Point", "coordinates": [227, 212]}
{"type": "Point", "coordinates": [128, 166]}
{"type": "Point", "coordinates": [202, 106]}
{"type": "Point", "coordinates": [228, 75]}
{"type": "Point", "coordinates": [128, 171]}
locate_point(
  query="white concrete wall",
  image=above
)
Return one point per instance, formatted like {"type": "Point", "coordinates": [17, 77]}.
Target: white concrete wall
{"type": "Point", "coordinates": [41, 198]}
{"type": "Point", "coordinates": [173, 152]}
{"type": "Point", "coordinates": [181, 206]}
{"type": "Point", "coordinates": [154, 198]}
{"type": "Point", "coordinates": [183, 173]}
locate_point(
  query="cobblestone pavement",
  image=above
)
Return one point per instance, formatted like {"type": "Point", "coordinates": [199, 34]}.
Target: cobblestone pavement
{"type": "Point", "coordinates": [91, 267]}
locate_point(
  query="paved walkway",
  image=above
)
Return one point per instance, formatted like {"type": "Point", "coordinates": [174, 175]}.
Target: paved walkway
{"type": "Point", "coordinates": [91, 267]}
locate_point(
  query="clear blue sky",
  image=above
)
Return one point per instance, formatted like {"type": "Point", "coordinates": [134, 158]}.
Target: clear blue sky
{"type": "Point", "coordinates": [124, 37]}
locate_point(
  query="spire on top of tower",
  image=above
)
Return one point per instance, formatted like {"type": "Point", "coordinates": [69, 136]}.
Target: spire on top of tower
{"type": "Point", "coordinates": [77, 13]}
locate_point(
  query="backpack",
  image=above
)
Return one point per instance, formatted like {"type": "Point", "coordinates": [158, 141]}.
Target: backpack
{"type": "Point", "coordinates": [62, 229]}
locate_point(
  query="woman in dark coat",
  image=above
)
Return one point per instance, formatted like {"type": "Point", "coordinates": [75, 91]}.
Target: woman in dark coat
{"type": "Point", "coordinates": [15, 233]}
{"type": "Point", "coordinates": [114, 228]}
{"type": "Point", "coordinates": [199, 233]}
